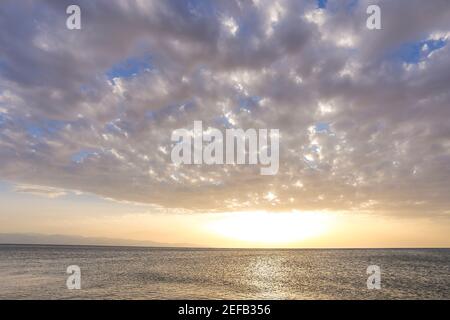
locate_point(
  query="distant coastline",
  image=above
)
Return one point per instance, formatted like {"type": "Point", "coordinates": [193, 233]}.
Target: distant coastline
{"type": "Point", "coordinates": [43, 240]}
{"type": "Point", "coordinates": [70, 240]}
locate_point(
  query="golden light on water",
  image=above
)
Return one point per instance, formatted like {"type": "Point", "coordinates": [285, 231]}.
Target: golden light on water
{"type": "Point", "coordinates": [271, 227]}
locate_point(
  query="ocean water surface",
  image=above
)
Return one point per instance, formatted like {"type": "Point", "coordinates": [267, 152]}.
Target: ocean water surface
{"type": "Point", "coordinates": [39, 272]}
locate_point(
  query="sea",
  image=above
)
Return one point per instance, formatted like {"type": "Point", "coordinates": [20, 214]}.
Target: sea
{"type": "Point", "coordinates": [40, 272]}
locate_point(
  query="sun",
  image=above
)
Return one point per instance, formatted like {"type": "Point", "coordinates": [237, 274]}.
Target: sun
{"type": "Point", "coordinates": [270, 227]}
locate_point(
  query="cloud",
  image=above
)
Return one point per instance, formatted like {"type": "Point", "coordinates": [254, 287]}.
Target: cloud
{"type": "Point", "coordinates": [42, 191]}
{"type": "Point", "coordinates": [362, 124]}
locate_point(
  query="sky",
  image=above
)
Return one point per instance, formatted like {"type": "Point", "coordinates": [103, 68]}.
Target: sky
{"type": "Point", "coordinates": [86, 118]}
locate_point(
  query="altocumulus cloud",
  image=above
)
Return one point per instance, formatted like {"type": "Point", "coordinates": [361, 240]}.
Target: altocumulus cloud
{"type": "Point", "coordinates": [363, 115]}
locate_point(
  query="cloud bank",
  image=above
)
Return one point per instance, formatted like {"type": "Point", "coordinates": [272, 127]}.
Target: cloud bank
{"type": "Point", "coordinates": [363, 115]}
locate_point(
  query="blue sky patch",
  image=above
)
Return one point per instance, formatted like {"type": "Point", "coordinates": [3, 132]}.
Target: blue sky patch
{"type": "Point", "coordinates": [339, 5]}
{"type": "Point", "coordinates": [2, 65]}
{"type": "Point", "coordinates": [171, 110]}
{"type": "Point", "coordinates": [322, 127]}
{"type": "Point", "coordinates": [248, 103]}
{"type": "Point", "coordinates": [415, 52]}
{"type": "Point", "coordinates": [47, 127]}
{"type": "Point", "coordinates": [2, 118]}
{"type": "Point", "coordinates": [322, 4]}
{"type": "Point", "coordinates": [223, 121]}
{"type": "Point", "coordinates": [35, 131]}
{"type": "Point", "coordinates": [151, 115]}
{"type": "Point", "coordinates": [129, 68]}
{"type": "Point", "coordinates": [118, 126]}
{"type": "Point", "coordinates": [82, 155]}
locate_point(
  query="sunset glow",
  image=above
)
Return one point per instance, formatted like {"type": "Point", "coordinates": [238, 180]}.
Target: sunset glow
{"type": "Point", "coordinates": [271, 227]}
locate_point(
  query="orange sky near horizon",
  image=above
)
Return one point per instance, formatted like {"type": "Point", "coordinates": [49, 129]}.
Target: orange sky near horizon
{"type": "Point", "coordinates": [91, 216]}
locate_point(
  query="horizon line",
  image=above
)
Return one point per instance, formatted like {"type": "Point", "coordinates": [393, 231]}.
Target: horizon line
{"type": "Point", "coordinates": [220, 248]}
